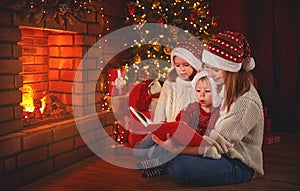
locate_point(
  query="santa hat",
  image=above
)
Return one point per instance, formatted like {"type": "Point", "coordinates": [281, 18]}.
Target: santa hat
{"type": "Point", "coordinates": [216, 99]}
{"type": "Point", "coordinates": [190, 51]}
{"type": "Point", "coordinates": [229, 51]}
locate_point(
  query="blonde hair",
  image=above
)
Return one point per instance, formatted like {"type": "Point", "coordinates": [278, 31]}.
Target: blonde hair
{"type": "Point", "coordinates": [204, 79]}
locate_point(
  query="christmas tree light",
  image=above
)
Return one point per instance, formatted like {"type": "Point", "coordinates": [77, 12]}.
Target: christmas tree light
{"type": "Point", "coordinates": [192, 16]}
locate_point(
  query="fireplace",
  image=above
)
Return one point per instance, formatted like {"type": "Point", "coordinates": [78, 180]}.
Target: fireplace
{"type": "Point", "coordinates": [39, 61]}
{"type": "Point", "coordinates": [49, 63]}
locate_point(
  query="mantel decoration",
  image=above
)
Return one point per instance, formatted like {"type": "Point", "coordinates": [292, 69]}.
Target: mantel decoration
{"type": "Point", "coordinates": [62, 11]}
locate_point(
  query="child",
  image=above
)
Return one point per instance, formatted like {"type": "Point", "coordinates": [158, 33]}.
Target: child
{"type": "Point", "coordinates": [236, 151]}
{"type": "Point", "coordinates": [200, 115]}
{"type": "Point", "coordinates": [203, 113]}
{"type": "Point", "coordinates": [177, 91]}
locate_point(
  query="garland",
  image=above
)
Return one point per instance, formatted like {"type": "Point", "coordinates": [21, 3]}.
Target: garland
{"type": "Point", "coordinates": [62, 11]}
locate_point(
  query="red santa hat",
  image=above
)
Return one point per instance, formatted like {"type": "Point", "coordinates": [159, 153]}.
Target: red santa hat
{"type": "Point", "coordinates": [229, 51]}
{"type": "Point", "coordinates": [190, 51]}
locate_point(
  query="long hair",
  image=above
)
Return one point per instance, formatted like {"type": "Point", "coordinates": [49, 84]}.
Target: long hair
{"type": "Point", "coordinates": [236, 84]}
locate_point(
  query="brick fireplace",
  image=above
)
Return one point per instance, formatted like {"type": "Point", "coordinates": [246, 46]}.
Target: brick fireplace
{"type": "Point", "coordinates": [49, 62]}
{"type": "Point", "coordinates": [45, 57]}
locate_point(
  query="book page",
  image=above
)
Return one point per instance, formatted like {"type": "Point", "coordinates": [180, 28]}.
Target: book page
{"type": "Point", "coordinates": [143, 119]}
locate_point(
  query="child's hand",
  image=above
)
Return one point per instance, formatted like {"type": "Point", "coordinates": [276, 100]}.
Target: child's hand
{"type": "Point", "coordinates": [168, 145]}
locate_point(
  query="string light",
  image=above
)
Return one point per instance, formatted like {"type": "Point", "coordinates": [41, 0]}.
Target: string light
{"type": "Point", "coordinates": [63, 11]}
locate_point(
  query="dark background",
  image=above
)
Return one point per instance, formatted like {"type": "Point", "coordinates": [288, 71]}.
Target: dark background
{"type": "Point", "coordinates": [272, 30]}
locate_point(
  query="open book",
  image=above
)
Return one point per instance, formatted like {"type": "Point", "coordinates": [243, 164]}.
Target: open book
{"type": "Point", "coordinates": [179, 130]}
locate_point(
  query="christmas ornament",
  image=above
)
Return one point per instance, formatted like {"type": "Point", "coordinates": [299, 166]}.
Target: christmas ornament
{"type": "Point", "coordinates": [155, 4]}
{"type": "Point", "coordinates": [160, 21]}
{"type": "Point", "coordinates": [201, 13]}
{"type": "Point", "coordinates": [167, 50]}
{"type": "Point", "coordinates": [192, 16]}
{"type": "Point", "coordinates": [157, 47]}
{"type": "Point", "coordinates": [137, 59]}
{"type": "Point", "coordinates": [214, 22]}
{"type": "Point", "coordinates": [131, 9]}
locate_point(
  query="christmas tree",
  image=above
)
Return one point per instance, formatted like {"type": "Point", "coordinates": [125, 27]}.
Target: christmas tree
{"type": "Point", "coordinates": [192, 16]}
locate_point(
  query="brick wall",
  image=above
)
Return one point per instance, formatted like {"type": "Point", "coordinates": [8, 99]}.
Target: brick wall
{"type": "Point", "coordinates": [34, 44]}
{"type": "Point", "coordinates": [32, 153]}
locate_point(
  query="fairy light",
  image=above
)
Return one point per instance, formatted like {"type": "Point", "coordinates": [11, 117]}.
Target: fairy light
{"type": "Point", "coordinates": [189, 15]}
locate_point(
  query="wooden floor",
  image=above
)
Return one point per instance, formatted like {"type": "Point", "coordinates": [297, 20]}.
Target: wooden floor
{"type": "Point", "coordinates": [282, 173]}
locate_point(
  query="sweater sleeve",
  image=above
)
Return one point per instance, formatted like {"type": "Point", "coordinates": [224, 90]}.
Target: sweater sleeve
{"type": "Point", "coordinates": [233, 126]}
{"type": "Point", "coordinates": [160, 111]}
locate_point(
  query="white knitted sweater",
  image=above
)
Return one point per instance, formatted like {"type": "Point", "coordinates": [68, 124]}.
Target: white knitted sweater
{"type": "Point", "coordinates": [174, 96]}
{"type": "Point", "coordinates": [239, 132]}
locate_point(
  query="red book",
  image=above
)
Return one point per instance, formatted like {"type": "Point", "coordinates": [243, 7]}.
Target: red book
{"type": "Point", "coordinates": [179, 130]}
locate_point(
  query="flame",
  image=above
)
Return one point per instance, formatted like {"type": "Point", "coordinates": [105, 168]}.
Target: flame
{"type": "Point", "coordinates": [27, 99]}
{"type": "Point", "coordinates": [43, 101]}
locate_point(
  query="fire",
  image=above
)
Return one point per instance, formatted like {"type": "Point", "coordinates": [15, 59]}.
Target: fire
{"type": "Point", "coordinates": [35, 109]}
{"type": "Point", "coordinates": [43, 101]}
{"type": "Point", "coordinates": [30, 105]}
{"type": "Point", "coordinates": [27, 99]}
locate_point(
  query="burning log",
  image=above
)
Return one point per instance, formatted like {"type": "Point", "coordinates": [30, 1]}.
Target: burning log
{"type": "Point", "coordinates": [49, 107]}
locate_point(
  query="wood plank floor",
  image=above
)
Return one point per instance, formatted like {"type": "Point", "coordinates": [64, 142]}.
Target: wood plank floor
{"type": "Point", "coordinates": [282, 173]}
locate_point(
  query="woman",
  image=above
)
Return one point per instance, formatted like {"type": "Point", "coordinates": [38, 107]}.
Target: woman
{"type": "Point", "coordinates": [235, 154]}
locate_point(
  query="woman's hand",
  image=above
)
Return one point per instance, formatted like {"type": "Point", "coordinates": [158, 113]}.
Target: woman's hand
{"type": "Point", "coordinates": [168, 145]}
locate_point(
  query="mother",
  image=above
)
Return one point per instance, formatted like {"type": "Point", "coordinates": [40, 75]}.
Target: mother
{"type": "Point", "coordinates": [236, 151]}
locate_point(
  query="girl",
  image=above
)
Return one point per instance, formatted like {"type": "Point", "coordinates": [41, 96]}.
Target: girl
{"type": "Point", "coordinates": [236, 151]}
{"type": "Point", "coordinates": [177, 91]}
{"type": "Point", "coordinates": [200, 115]}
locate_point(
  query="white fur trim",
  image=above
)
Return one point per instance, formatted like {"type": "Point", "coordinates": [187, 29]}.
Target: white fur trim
{"type": "Point", "coordinates": [186, 55]}
{"type": "Point", "coordinates": [219, 62]}
{"type": "Point", "coordinates": [248, 64]}
{"type": "Point", "coordinates": [216, 99]}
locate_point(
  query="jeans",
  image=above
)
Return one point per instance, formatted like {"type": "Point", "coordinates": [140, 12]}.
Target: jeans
{"type": "Point", "coordinates": [201, 171]}
{"type": "Point", "coordinates": [142, 147]}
